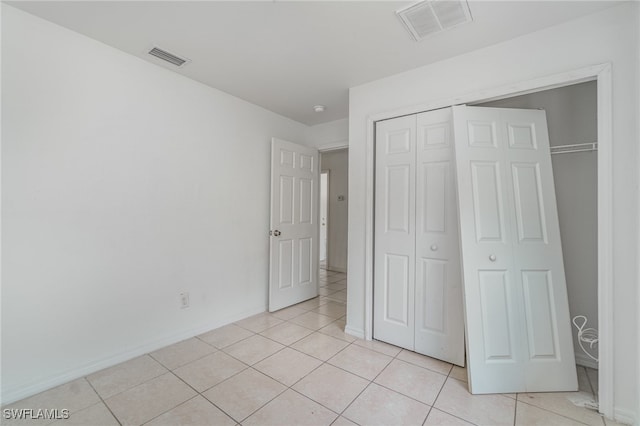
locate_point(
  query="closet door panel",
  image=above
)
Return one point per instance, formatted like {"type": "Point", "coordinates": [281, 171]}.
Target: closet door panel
{"type": "Point", "coordinates": [537, 253]}
{"type": "Point", "coordinates": [394, 253]}
{"type": "Point", "coordinates": [438, 300]}
{"type": "Point", "coordinates": [509, 228]}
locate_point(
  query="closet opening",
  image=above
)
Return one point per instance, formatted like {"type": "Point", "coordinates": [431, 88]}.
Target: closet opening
{"type": "Point", "coordinates": [572, 120]}
{"type": "Point", "coordinates": [578, 107]}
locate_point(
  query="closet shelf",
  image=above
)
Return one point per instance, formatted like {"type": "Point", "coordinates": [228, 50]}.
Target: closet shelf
{"type": "Point", "coordinates": [579, 147]}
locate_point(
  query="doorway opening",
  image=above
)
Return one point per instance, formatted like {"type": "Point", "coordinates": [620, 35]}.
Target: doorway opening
{"type": "Point", "coordinates": [334, 185]}
{"type": "Point", "coordinates": [324, 217]}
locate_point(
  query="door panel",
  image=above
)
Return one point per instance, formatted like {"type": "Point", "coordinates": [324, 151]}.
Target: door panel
{"type": "Point", "coordinates": [540, 315]}
{"type": "Point", "coordinates": [394, 257]}
{"type": "Point", "coordinates": [528, 203]}
{"type": "Point", "coordinates": [487, 201]}
{"type": "Point", "coordinates": [417, 291]}
{"type": "Point", "coordinates": [439, 315]}
{"type": "Point", "coordinates": [294, 244]}
{"type": "Point", "coordinates": [434, 284]}
{"type": "Point", "coordinates": [519, 336]}
{"type": "Point", "coordinates": [396, 290]}
{"type": "Point", "coordinates": [398, 199]}
{"type": "Point", "coordinates": [497, 324]}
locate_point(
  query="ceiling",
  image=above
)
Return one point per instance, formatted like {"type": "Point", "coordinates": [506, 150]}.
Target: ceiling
{"type": "Point", "coordinates": [289, 56]}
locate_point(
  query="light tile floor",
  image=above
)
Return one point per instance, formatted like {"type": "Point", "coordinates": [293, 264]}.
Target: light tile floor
{"type": "Point", "coordinates": [298, 367]}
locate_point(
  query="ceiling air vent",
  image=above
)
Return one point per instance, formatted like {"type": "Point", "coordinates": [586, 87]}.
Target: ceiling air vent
{"type": "Point", "coordinates": [169, 57]}
{"type": "Point", "coordinates": [432, 16]}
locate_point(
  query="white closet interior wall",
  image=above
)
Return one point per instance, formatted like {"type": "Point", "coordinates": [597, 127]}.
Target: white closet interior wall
{"type": "Point", "coordinates": [572, 119]}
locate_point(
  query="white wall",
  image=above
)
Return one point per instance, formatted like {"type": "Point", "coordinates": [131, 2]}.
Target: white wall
{"type": "Point", "coordinates": [330, 135]}
{"type": "Point", "coordinates": [572, 118]}
{"type": "Point", "coordinates": [123, 185]}
{"type": "Point", "coordinates": [337, 163]}
{"type": "Point", "coordinates": [609, 36]}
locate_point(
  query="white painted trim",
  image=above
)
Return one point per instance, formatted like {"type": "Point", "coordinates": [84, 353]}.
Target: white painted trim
{"type": "Point", "coordinates": [334, 146]}
{"type": "Point", "coordinates": [336, 269]}
{"type": "Point", "coordinates": [637, 31]}
{"type": "Point", "coordinates": [601, 73]}
{"type": "Point", "coordinates": [355, 332]}
{"type": "Point", "coordinates": [16, 394]}
{"type": "Point", "coordinates": [605, 243]}
{"type": "Point", "coordinates": [369, 227]}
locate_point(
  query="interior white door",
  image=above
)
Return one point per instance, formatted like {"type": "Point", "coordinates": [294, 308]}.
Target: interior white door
{"type": "Point", "coordinates": [517, 314]}
{"type": "Point", "coordinates": [294, 231]}
{"type": "Point", "coordinates": [394, 253]}
{"type": "Point", "coordinates": [439, 315]}
{"type": "Point", "coordinates": [324, 214]}
{"type": "Point", "coordinates": [417, 279]}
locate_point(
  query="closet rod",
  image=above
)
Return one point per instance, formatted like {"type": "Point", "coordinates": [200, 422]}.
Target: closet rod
{"type": "Point", "coordinates": [578, 147]}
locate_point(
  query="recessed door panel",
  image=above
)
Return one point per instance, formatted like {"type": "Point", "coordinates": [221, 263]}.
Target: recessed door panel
{"type": "Point", "coordinates": [522, 136]}
{"type": "Point", "coordinates": [487, 201]}
{"type": "Point", "coordinates": [306, 163]}
{"type": "Point", "coordinates": [286, 200]}
{"type": "Point", "coordinates": [397, 196]}
{"type": "Point", "coordinates": [285, 249]}
{"type": "Point", "coordinates": [482, 134]}
{"type": "Point", "coordinates": [287, 158]}
{"type": "Point", "coordinates": [306, 261]}
{"type": "Point", "coordinates": [541, 319]}
{"type": "Point", "coordinates": [529, 203]}
{"type": "Point", "coordinates": [398, 142]}
{"type": "Point", "coordinates": [397, 289]}
{"type": "Point", "coordinates": [434, 283]}
{"type": "Point", "coordinates": [435, 202]}
{"type": "Point", "coordinates": [306, 201]}
{"type": "Point", "coordinates": [496, 322]}
{"type": "Point", "coordinates": [435, 136]}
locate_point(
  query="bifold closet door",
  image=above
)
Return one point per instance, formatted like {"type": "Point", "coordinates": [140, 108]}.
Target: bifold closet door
{"type": "Point", "coordinates": [395, 207]}
{"type": "Point", "coordinates": [439, 318]}
{"type": "Point", "coordinates": [417, 288]}
{"type": "Point", "coordinates": [517, 312]}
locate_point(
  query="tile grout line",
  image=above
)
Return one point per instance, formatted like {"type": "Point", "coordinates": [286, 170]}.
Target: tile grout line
{"type": "Point", "coordinates": [103, 401]}
{"type": "Point", "coordinates": [558, 414]}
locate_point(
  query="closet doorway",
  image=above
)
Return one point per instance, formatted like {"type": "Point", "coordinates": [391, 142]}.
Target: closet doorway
{"type": "Point", "coordinates": [572, 120]}
{"type": "Point", "coordinates": [572, 112]}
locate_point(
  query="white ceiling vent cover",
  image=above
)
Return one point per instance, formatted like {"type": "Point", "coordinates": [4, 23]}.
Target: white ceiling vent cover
{"type": "Point", "coordinates": [168, 57]}
{"type": "Point", "coordinates": [432, 16]}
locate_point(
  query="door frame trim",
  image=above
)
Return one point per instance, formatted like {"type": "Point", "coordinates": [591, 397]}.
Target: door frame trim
{"type": "Point", "coordinates": [600, 73]}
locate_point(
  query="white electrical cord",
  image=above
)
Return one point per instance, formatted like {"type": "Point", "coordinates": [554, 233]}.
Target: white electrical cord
{"type": "Point", "coordinates": [586, 335]}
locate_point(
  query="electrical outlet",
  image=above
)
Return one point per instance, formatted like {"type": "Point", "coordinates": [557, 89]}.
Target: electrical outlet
{"type": "Point", "coordinates": [184, 300]}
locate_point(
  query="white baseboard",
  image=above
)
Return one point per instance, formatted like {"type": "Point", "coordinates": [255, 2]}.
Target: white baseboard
{"type": "Point", "coordinates": [585, 361]}
{"type": "Point", "coordinates": [355, 332]}
{"type": "Point", "coordinates": [27, 390]}
{"type": "Point", "coordinates": [336, 269]}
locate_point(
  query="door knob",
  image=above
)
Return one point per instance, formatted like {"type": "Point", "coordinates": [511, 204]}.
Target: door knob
{"type": "Point", "coordinates": [276, 233]}
{"type": "Point", "coordinates": [492, 257]}
{"type": "Point", "coordinates": [434, 247]}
